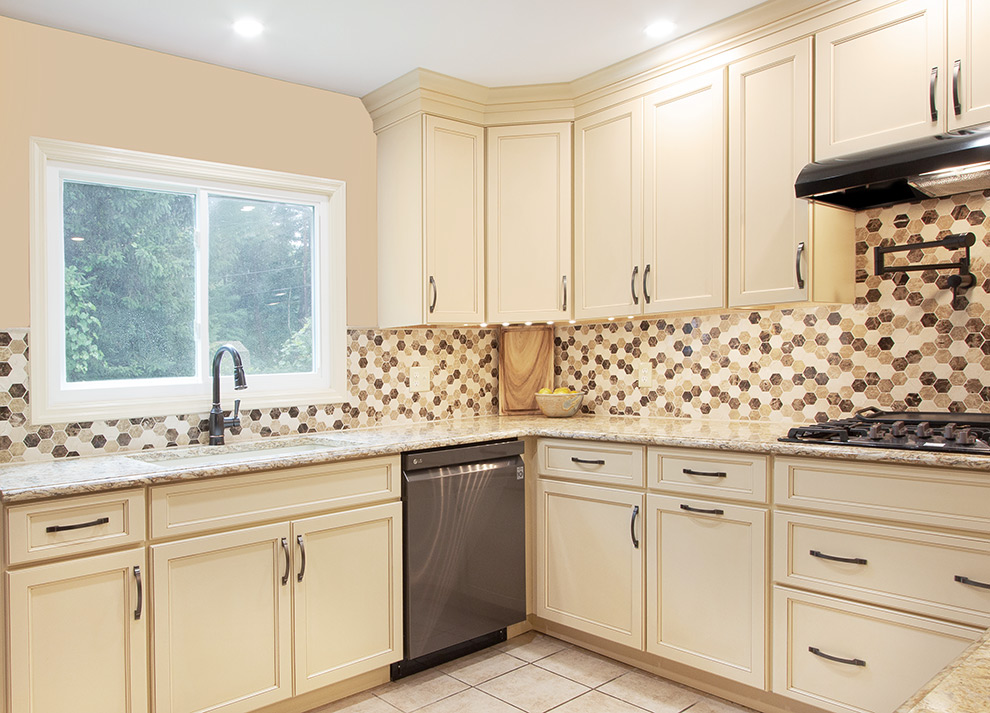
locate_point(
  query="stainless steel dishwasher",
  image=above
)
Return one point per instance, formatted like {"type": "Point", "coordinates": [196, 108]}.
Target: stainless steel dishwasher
{"type": "Point", "coordinates": [464, 550]}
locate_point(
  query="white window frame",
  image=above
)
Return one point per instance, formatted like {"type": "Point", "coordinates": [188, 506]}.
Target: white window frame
{"type": "Point", "coordinates": [54, 400]}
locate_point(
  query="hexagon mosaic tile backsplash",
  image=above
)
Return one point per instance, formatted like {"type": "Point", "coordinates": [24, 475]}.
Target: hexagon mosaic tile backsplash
{"type": "Point", "coordinates": [904, 344]}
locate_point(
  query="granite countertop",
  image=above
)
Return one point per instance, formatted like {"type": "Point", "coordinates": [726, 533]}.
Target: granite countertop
{"type": "Point", "coordinates": [40, 479]}
{"type": "Point", "coordinates": [961, 687]}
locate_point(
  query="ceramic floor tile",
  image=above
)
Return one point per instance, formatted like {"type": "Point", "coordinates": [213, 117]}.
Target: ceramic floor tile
{"type": "Point", "coordinates": [469, 701]}
{"type": "Point", "coordinates": [482, 666]}
{"type": "Point", "coordinates": [531, 646]}
{"type": "Point", "coordinates": [361, 703]}
{"type": "Point", "coordinates": [533, 689]}
{"type": "Point", "coordinates": [651, 692]}
{"type": "Point", "coordinates": [583, 666]}
{"type": "Point", "coordinates": [419, 690]}
{"type": "Point", "coordinates": [597, 702]}
{"type": "Point", "coordinates": [717, 705]}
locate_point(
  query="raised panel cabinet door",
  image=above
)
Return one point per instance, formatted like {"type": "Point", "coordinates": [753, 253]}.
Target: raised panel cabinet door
{"type": "Point", "coordinates": [78, 636]}
{"type": "Point", "coordinates": [529, 223]}
{"type": "Point", "coordinates": [684, 195]}
{"type": "Point", "coordinates": [706, 586]}
{"type": "Point", "coordinates": [969, 63]}
{"type": "Point", "coordinates": [589, 571]}
{"type": "Point", "coordinates": [454, 198]}
{"type": "Point", "coordinates": [348, 594]}
{"type": "Point", "coordinates": [608, 220]}
{"type": "Point", "coordinates": [880, 78]}
{"type": "Point", "coordinates": [769, 143]}
{"type": "Point", "coordinates": [222, 621]}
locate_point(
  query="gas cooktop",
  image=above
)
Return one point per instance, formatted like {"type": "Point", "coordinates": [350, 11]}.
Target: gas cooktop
{"type": "Point", "coordinates": [909, 430]}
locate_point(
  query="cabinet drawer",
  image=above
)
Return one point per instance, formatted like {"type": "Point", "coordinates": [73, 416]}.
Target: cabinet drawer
{"type": "Point", "coordinates": [939, 497]}
{"type": "Point", "coordinates": [887, 655]}
{"type": "Point", "coordinates": [591, 461]}
{"type": "Point", "coordinates": [708, 473]}
{"type": "Point", "coordinates": [56, 528]}
{"type": "Point", "coordinates": [228, 502]}
{"type": "Point", "coordinates": [892, 566]}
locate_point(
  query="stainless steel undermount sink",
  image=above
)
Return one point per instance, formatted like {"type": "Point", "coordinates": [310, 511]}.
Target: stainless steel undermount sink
{"type": "Point", "coordinates": [239, 453]}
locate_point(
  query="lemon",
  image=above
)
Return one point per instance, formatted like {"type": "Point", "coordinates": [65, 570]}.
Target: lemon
{"type": "Point", "coordinates": [562, 390]}
{"type": "Point", "coordinates": [544, 391]}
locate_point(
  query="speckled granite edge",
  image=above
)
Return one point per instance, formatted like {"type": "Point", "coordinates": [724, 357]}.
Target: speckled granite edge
{"type": "Point", "coordinates": [29, 481]}
{"type": "Point", "coordinates": [961, 687]}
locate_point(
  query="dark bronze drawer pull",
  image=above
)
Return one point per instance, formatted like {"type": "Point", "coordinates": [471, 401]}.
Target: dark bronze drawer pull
{"type": "Point", "coordinates": [971, 582]}
{"type": "Point", "coordinates": [587, 462]}
{"type": "Point", "coordinates": [713, 474]}
{"type": "Point", "coordinates": [702, 510]}
{"type": "Point", "coordinates": [833, 558]}
{"type": "Point", "coordinates": [78, 526]}
{"type": "Point", "coordinates": [848, 662]}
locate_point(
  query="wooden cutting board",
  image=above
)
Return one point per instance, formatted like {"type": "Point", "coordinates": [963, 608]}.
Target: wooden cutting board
{"type": "Point", "coordinates": [525, 365]}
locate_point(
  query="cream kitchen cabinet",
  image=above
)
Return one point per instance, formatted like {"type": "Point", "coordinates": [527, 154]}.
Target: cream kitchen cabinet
{"type": "Point", "coordinates": [529, 223]}
{"type": "Point", "coordinates": [431, 222]}
{"type": "Point", "coordinates": [684, 196]}
{"type": "Point", "coordinates": [608, 219]}
{"type": "Point", "coordinates": [706, 585]}
{"type": "Point", "coordinates": [881, 78]}
{"type": "Point", "coordinates": [78, 635]}
{"type": "Point", "coordinates": [969, 63]}
{"type": "Point", "coordinates": [781, 249]}
{"type": "Point", "coordinates": [589, 569]}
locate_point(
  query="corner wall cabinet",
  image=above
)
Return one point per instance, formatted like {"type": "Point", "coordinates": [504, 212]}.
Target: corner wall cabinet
{"type": "Point", "coordinates": [431, 222]}
{"type": "Point", "coordinates": [969, 63]}
{"type": "Point", "coordinates": [529, 223]}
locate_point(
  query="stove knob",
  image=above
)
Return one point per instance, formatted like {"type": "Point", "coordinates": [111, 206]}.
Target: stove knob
{"type": "Point", "coordinates": [898, 429]}
{"type": "Point", "coordinates": [876, 432]}
{"type": "Point", "coordinates": [950, 432]}
{"type": "Point", "coordinates": [964, 437]}
{"type": "Point", "coordinates": [924, 430]}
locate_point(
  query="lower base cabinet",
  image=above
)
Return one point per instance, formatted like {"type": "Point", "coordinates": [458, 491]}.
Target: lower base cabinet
{"type": "Point", "coordinates": [79, 630]}
{"type": "Point", "coordinates": [853, 658]}
{"type": "Point", "coordinates": [236, 613]}
{"type": "Point", "coordinates": [706, 586]}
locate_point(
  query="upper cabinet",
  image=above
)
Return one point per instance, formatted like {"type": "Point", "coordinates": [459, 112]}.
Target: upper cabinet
{"type": "Point", "coordinates": [608, 220]}
{"type": "Point", "coordinates": [684, 196]}
{"type": "Point", "coordinates": [881, 78]}
{"type": "Point", "coordinates": [431, 222]}
{"type": "Point", "coordinates": [969, 63]}
{"type": "Point", "coordinates": [529, 223]}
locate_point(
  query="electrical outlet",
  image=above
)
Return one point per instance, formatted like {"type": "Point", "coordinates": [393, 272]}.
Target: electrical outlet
{"type": "Point", "coordinates": [419, 378]}
{"type": "Point", "coordinates": [645, 375]}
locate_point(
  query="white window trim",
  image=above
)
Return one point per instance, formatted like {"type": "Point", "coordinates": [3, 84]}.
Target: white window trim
{"type": "Point", "coordinates": [51, 403]}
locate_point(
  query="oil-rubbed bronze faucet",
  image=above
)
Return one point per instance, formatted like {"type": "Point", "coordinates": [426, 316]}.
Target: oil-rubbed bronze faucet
{"type": "Point", "coordinates": [217, 421]}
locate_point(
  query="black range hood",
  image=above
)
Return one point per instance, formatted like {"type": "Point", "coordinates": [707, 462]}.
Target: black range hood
{"type": "Point", "coordinates": [935, 166]}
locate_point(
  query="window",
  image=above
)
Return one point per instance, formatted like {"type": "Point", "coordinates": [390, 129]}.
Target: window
{"type": "Point", "coordinates": [143, 265]}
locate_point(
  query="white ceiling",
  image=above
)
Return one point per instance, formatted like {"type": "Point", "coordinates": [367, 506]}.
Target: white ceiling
{"type": "Point", "coordinates": [355, 46]}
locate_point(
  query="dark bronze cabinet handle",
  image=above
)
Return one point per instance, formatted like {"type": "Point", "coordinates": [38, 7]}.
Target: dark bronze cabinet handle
{"type": "Point", "coordinates": [140, 593]}
{"type": "Point", "coordinates": [433, 302]}
{"type": "Point", "coordinates": [78, 526]}
{"type": "Point", "coordinates": [712, 474]}
{"type": "Point", "coordinates": [632, 285]}
{"type": "Point", "coordinates": [564, 280]}
{"type": "Point", "coordinates": [956, 103]}
{"type": "Point", "coordinates": [646, 276]}
{"type": "Point", "coordinates": [575, 459]}
{"type": "Point", "coordinates": [632, 526]}
{"type": "Point", "coordinates": [849, 662]}
{"type": "Point", "coordinates": [285, 551]}
{"type": "Point", "coordinates": [714, 511]}
{"type": "Point", "coordinates": [797, 265]}
{"type": "Point", "coordinates": [833, 558]}
{"type": "Point", "coordinates": [931, 94]}
{"type": "Point", "coordinates": [971, 582]}
{"type": "Point", "coordinates": [302, 551]}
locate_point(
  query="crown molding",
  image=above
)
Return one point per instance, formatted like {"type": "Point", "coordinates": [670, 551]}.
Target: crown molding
{"type": "Point", "coordinates": [422, 90]}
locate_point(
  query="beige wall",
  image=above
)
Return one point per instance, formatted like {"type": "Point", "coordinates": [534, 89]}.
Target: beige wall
{"type": "Point", "coordinates": [60, 85]}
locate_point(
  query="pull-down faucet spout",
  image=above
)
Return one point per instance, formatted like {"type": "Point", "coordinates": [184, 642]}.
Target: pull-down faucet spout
{"type": "Point", "coordinates": [217, 421]}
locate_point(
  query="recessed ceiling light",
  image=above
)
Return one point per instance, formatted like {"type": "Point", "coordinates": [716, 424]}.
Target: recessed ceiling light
{"type": "Point", "coordinates": [660, 29]}
{"type": "Point", "coordinates": [76, 239]}
{"type": "Point", "coordinates": [248, 27]}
